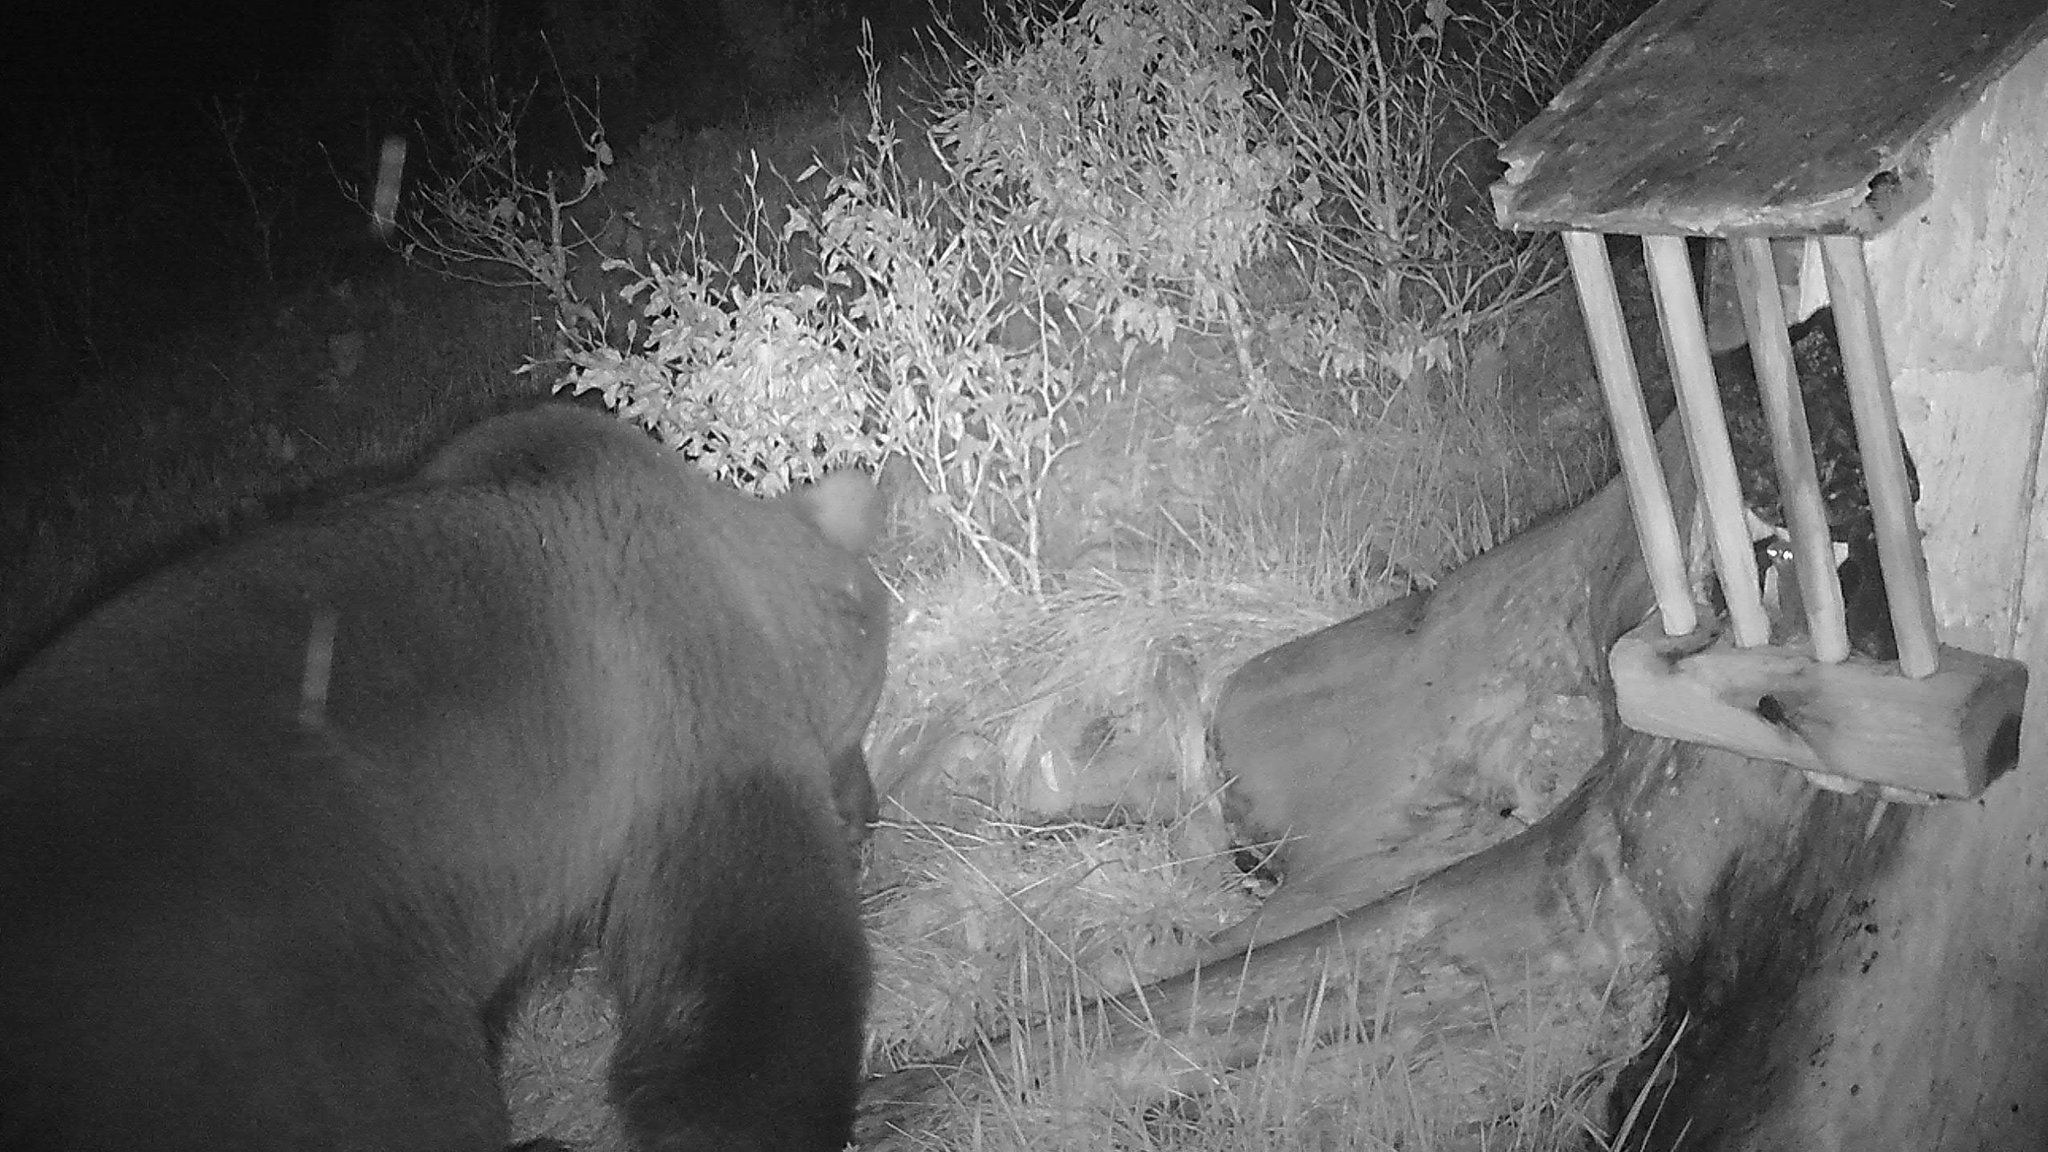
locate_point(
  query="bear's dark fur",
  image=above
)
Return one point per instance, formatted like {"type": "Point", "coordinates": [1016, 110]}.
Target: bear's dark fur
{"type": "Point", "coordinates": [285, 829]}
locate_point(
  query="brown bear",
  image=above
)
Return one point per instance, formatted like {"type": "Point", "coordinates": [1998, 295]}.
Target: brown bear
{"type": "Point", "coordinates": [286, 829]}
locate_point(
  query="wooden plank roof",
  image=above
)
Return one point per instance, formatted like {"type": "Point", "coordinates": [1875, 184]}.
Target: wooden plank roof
{"type": "Point", "coordinates": [1734, 117]}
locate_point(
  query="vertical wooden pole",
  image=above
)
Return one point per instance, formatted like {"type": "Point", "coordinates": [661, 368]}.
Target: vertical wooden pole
{"type": "Point", "coordinates": [1635, 441]}
{"type": "Point", "coordinates": [1706, 432]}
{"type": "Point", "coordinates": [1884, 465]}
{"type": "Point", "coordinates": [1763, 313]}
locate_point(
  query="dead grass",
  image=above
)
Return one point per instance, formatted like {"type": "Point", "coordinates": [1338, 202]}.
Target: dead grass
{"type": "Point", "coordinates": [1338, 1070]}
{"type": "Point", "coordinates": [977, 931]}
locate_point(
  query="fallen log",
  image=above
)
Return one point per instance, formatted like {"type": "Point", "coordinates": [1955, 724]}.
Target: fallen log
{"type": "Point", "coordinates": [1589, 902]}
{"type": "Point", "coordinates": [1798, 947]}
{"type": "Point", "coordinates": [1389, 745]}
{"type": "Point", "coordinates": [1331, 743]}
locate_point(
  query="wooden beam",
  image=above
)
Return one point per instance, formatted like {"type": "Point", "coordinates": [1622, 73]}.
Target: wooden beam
{"type": "Point", "coordinates": [1770, 349]}
{"type": "Point", "coordinates": [1649, 497]}
{"type": "Point", "coordinates": [1944, 736]}
{"type": "Point", "coordinates": [1706, 433]}
{"type": "Point", "coordinates": [1884, 463]}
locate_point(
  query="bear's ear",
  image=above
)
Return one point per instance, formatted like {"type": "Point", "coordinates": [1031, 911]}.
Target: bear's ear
{"type": "Point", "coordinates": [846, 507]}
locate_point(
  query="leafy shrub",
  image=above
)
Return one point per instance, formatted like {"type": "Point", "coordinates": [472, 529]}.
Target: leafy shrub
{"type": "Point", "coordinates": [1392, 113]}
{"type": "Point", "coordinates": [743, 367]}
{"type": "Point", "coordinates": [1127, 131]}
{"type": "Point", "coordinates": [1120, 172]}
{"type": "Point", "coordinates": [862, 326]}
{"type": "Point", "coordinates": [931, 283]}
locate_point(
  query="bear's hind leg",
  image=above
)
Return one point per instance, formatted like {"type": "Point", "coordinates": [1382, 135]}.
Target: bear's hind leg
{"type": "Point", "coordinates": [738, 957]}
